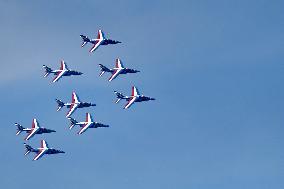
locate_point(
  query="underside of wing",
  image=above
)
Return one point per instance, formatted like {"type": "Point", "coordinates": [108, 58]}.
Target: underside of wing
{"type": "Point", "coordinates": [72, 109]}
{"type": "Point", "coordinates": [31, 134]}
{"type": "Point", "coordinates": [39, 154]}
{"type": "Point", "coordinates": [114, 75]}
{"type": "Point", "coordinates": [96, 45]}
{"type": "Point", "coordinates": [130, 102]}
{"type": "Point", "coordinates": [58, 76]}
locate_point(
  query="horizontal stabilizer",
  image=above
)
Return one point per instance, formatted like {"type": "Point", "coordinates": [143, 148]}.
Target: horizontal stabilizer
{"type": "Point", "coordinates": [60, 104]}
{"type": "Point", "coordinates": [28, 149]}
{"type": "Point", "coordinates": [20, 128]}
{"type": "Point", "coordinates": [73, 122]}
{"type": "Point", "coordinates": [48, 70]}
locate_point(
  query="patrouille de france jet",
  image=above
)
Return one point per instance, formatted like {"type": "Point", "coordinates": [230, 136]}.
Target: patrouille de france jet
{"type": "Point", "coordinates": [76, 103]}
{"type": "Point", "coordinates": [89, 123]}
{"type": "Point", "coordinates": [135, 97]}
{"type": "Point", "coordinates": [36, 129]}
{"type": "Point", "coordinates": [43, 149]}
{"type": "Point", "coordinates": [119, 69]}
{"type": "Point", "coordinates": [101, 40]}
{"type": "Point", "coordinates": [63, 71]}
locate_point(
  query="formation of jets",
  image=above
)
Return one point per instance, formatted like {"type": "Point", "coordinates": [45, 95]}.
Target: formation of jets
{"type": "Point", "coordinates": [75, 102]}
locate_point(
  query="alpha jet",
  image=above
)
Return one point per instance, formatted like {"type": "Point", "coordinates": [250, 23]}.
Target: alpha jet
{"type": "Point", "coordinates": [118, 69]}
{"type": "Point", "coordinates": [101, 40]}
{"type": "Point", "coordinates": [63, 71]}
{"type": "Point", "coordinates": [43, 149]}
{"type": "Point", "coordinates": [135, 97]}
{"type": "Point", "coordinates": [89, 123]}
{"type": "Point", "coordinates": [76, 103]}
{"type": "Point", "coordinates": [36, 129]}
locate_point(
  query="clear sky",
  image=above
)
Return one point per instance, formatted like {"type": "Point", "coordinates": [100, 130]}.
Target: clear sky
{"type": "Point", "coordinates": [215, 67]}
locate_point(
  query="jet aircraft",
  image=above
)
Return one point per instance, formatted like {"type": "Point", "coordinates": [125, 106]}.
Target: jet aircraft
{"type": "Point", "coordinates": [63, 71]}
{"type": "Point", "coordinates": [36, 129]}
{"type": "Point", "coordinates": [101, 40]}
{"type": "Point", "coordinates": [89, 123]}
{"type": "Point", "coordinates": [135, 97]}
{"type": "Point", "coordinates": [43, 149]}
{"type": "Point", "coordinates": [119, 69]}
{"type": "Point", "coordinates": [76, 103]}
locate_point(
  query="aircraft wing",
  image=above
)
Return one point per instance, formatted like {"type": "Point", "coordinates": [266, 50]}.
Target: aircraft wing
{"type": "Point", "coordinates": [40, 153]}
{"type": "Point", "coordinates": [58, 75]}
{"type": "Point", "coordinates": [72, 109]}
{"type": "Point", "coordinates": [83, 128]}
{"type": "Point", "coordinates": [114, 75]}
{"type": "Point", "coordinates": [96, 45]}
{"type": "Point", "coordinates": [31, 134]}
{"type": "Point", "coordinates": [130, 102]}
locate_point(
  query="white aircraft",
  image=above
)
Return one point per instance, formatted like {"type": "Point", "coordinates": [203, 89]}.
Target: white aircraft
{"type": "Point", "coordinates": [89, 123]}
{"type": "Point", "coordinates": [135, 97]}
{"type": "Point", "coordinates": [119, 69]}
{"type": "Point", "coordinates": [43, 149]}
{"type": "Point", "coordinates": [63, 71]}
{"type": "Point", "coordinates": [101, 40]}
{"type": "Point", "coordinates": [36, 129]}
{"type": "Point", "coordinates": [76, 103]}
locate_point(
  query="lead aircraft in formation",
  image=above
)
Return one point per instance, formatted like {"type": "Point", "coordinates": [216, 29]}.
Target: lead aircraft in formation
{"type": "Point", "coordinates": [63, 71]}
{"type": "Point", "coordinates": [35, 129]}
{"type": "Point", "coordinates": [135, 97]}
{"type": "Point", "coordinates": [73, 105]}
{"type": "Point", "coordinates": [118, 69]}
{"type": "Point", "coordinates": [100, 40]}
{"type": "Point", "coordinates": [43, 149]}
{"type": "Point", "coordinates": [89, 123]}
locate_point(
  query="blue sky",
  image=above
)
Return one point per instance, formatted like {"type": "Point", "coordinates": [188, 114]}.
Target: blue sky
{"type": "Point", "coordinates": [215, 68]}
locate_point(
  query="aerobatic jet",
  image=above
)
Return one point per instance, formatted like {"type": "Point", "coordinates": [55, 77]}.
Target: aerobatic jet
{"type": "Point", "coordinates": [36, 129]}
{"type": "Point", "coordinates": [101, 40]}
{"type": "Point", "coordinates": [119, 69]}
{"type": "Point", "coordinates": [43, 149]}
{"type": "Point", "coordinates": [63, 71]}
{"type": "Point", "coordinates": [135, 97]}
{"type": "Point", "coordinates": [76, 103]}
{"type": "Point", "coordinates": [89, 123]}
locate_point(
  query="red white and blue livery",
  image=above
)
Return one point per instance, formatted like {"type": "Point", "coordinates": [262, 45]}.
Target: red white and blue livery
{"type": "Point", "coordinates": [89, 123]}
{"type": "Point", "coordinates": [63, 71]}
{"type": "Point", "coordinates": [75, 103]}
{"type": "Point", "coordinates": [135, 97]}
{"type": "Point", "coordinates": [118, 69]}
{"type": "Point", "coordinates": [35, 129]}
{"type": "Point", "coordinates": [42, 150]}
{"type": "Point", "coordinates": [100, 40]}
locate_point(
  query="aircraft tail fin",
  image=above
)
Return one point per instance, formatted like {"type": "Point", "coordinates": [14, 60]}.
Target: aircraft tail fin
{"type": "Point", "coordinates": [60, 104]}
{"type": "Point", "coordinates": [48, 70]}
{"type": "Point", "coordinates": [85, 40]}
{"type": "Point", "coordinates": [119, 96]}
{"type": "Point", "coordinates": [28, 149]}
{"type": "Point", "coordinates": [73, 122]}
{"type": "Point", "coordinates": [104, 69]}
{"type": "Point", "coordinates": [20, 128]}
